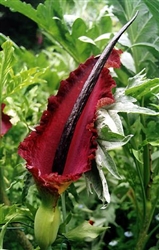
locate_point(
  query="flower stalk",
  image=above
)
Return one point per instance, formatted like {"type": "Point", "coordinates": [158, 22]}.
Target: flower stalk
{"type": "Point", "coordinates": [47, 221]}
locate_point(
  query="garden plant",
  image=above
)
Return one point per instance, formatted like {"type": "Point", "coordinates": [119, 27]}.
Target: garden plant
{"type": "Point", "coordinates": [79, 125]}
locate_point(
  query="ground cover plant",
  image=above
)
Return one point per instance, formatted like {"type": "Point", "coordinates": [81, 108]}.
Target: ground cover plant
{"type": "Point", "coordinates": [115, 203]}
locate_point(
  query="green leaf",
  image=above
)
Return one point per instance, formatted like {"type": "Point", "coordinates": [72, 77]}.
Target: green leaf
{"type": "Point", "coordinates": [105, 23]}
{"type": "Point", "coordinates": [109, 124]}
{"type": "Point", "coordinates": [95, 179]}
{"type": "Point", "coordinates": [50, 19]}
{"type": "Point", "coordinates": [154, 8]}
{"type": "Point", "coordinates": [126, 104]}
{"type": "Point", "coordinates": [140, 87]}
{"type": "Point", "coordinates": [113, 144]}
{"type": "Point", "coordinates": [74, 38]}
{"type": "Point", "coordinates": [153, 48]}
{"type": "Point", "coordinates": [103, 159]}
{"type": "Point", "coordinates": [11, 82]}
{"type": "Point", "coordinates": [7, 59]}
{"type": "Point", "coordinates": [143, 30]}
{"type": "Point", "coordinates": [63, 225]}
{"type": "Point", "coordinates": [107, 135]}
{"type": "Point", "coordinates": [22, 80]}
{"type": "Point", "coordinates": [105, 36]}
{"type": "Point", "coordinates": [28, 179]}
{"type": "Point", "coordinates": [86, 39]}
{"type": "Point", "coordinates": [153, 248]}
{"type": "Point", "coordinates": [119, 9]}
{"type": "Point", "coordinates": [152, 134]}
{"type": "Point", "coordinates": [110, 129]}
{"type": "Point", "coordinates": [2, 233]}
{"type": "Point", "coordinates": [79, 28]}
{"type": "Point", "coordinates": [26, 78]}
{"type": "Point", "coordinates": [105, 190]}
{"type": "Point", "coordinates": [14, 214]}
{"type": "Point", "coordinates": [84, 231]}
{"type": "Point", "coordinates": [127, 61]}
{"type": "Point", "coordinates": [110, 136]}
{"type": "Point", "coordinates": [137, 155]}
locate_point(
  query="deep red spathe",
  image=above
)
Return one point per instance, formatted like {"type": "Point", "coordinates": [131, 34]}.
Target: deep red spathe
{"type": "Point", "coordinates": [39, 148]}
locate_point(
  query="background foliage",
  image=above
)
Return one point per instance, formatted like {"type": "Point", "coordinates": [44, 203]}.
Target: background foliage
{"type": "Point", "coordinates": [42, 50]}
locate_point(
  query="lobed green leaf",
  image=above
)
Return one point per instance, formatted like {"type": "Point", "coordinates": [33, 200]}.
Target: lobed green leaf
{"type": "Point", "coordinates": [143, 31]}
{"type": "Point", "coordinates": [95, 179]}
{"type": "Point", "coordinates": [139, 86]}
{"type": "Point", "coordinates": [126, 104]}
{"type": "Point", "coordinates": [6, 63]}
{"type": "Point", "coordinates": [104, 160]}
{"type": "Point", "coordinates": [84, 231]}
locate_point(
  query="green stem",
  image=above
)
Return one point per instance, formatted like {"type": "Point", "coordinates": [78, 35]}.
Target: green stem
{"type": "Point", "coordinates": [146, 160]}
{"type": "Point", "coordinates": [152, 232]}
{"type": "Point", "coordinates": [144, 174]}
{"type": "Point", "coordinates": [0, 118]}
{"type": "Point", "coordinates": [47, 220]}
{"type": "Point", "coordinates": [3, 196]}
{"type": "Point", "coordinates": [143, 236]}
{"type": "Point", "coordinates": [49, 248]}
{"type": "Point", "coordinates": [147, 170]}
{"type": "Point", "coordinates": [138, 170]}
{"type": "Point", "coordinates": [63, 203]}
{"type": "Point", "coordinates": [151, 216]}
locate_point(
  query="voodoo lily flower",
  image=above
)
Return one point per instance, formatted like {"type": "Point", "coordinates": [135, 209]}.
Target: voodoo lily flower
{"type": "Point", "coordinates": [5, 123]}
{"type": "Point", "coordinates": [39, 149]}
{"type": "Point", "coordinates": [63, 146]}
